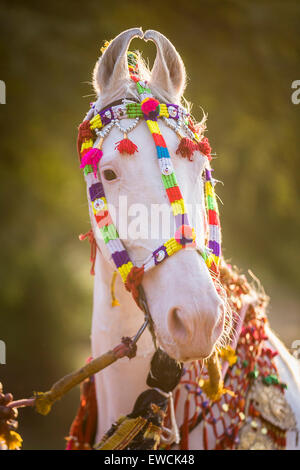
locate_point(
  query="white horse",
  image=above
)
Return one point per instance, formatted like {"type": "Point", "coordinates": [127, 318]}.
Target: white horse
{"type": "Point", "coordinates": [187, 311]}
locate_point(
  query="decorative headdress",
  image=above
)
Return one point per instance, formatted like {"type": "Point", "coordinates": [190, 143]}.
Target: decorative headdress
{"type": "Point", "coordinates": [93, 131]}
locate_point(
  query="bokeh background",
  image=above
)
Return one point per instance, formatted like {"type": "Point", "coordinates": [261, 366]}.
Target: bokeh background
{"type": "Point", "coordinates": [241, 58]}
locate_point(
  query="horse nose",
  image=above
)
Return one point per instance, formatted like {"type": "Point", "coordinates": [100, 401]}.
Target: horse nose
{"type": "Point", "coordinates": [179, 326]}
{"type": "Point", "coordinates": [196, 332]}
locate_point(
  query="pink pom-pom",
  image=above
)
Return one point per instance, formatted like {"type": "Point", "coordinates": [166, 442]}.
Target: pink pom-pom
{"type": "Point", "coordinates": [149, 105]}
{"type": "Point", "coordinates": [92, 157]}
{"type": "Point", "coordinates": [185, 235]}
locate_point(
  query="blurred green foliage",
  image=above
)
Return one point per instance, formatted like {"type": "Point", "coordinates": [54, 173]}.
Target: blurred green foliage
{"type": "Point", "coordinates": [241, 58]}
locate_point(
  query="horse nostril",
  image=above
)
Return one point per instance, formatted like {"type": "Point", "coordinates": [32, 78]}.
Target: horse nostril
{"type": "Point", "coordinates": [178, 326]}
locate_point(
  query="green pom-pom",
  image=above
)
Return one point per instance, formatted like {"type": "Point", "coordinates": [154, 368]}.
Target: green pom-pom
{"type": "Point", "coordinates": [271, 379]}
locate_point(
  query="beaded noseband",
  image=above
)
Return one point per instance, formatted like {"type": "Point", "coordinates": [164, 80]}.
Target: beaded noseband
{"type": "Point", "coordinates": [92, 132]}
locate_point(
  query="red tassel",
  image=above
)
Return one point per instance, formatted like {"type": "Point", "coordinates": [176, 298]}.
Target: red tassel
{"type": "Point", "coordinates": [126, 146]}
{"type": "Point", "coordinates": [205, 148]}
{"type": "Point", "coordinates": [186, 148]}
{"type": "Point", "coordinates": [133, 281]}
{"type": "Point", "coordinates": [84, 133]}
{"type": "Point", "coordinates": [83, 428]}
{"type": "Point", "coordinates": [90, 236]}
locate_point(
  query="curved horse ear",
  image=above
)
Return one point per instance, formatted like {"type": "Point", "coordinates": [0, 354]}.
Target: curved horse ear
{"type": "Point", "coordinates": [168, 71]}
{"type": "Point", "coordinates": [112, 66]}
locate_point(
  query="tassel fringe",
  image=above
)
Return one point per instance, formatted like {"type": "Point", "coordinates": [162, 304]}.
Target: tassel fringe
{"type": "Point", "coordinates": [83, 428]}
{"type": "Point", "coordinates": [114, 301]}
{"type": "Point", "coordinates": [186, 148]}
{"type": "Point", "coordinates": [126, 430]}
{"type": "Point", "coordinates": [214, 387]}
{"type": "Point", "coordinates": [90, 236]}
{"type": "Point", "coordinates": [92, 157]}
{"type": "Point", "coordinates": [126, 146]}
{"type": "Point", "coordinates": [204, 147]}
{"type": "Point", "coordinates": [84, 134]}
{"type": "Point", "coordinates": [133, 281]}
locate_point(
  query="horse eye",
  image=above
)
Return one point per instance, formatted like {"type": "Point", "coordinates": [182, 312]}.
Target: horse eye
{"type": "Point", "coordinates": [109, 175]}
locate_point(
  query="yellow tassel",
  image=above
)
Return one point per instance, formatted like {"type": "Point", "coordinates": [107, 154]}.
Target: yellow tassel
{"type": "Point", "coordinates": [12, 440]}
{"type": "Point", "coordinates": [214, 387]}
{"type": "Point", "coordinates": [114, 301]}
{"type": "Point", "coordinates": [228, 354]}
{"type": "Point", "coordinates": [43, 403]}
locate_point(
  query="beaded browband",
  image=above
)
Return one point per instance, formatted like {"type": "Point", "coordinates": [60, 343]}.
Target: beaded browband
{"type": "Point", "coordinates": [92, 132]}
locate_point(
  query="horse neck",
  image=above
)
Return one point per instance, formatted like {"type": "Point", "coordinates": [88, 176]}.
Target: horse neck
{"type": "Point", "coordinates": [118, 386]}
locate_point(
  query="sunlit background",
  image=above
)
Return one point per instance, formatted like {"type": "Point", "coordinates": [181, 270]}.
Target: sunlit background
{"type": "Point", "coordinates": [241, 58]}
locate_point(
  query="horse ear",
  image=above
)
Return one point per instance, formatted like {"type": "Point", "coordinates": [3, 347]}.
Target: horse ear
{"type": "Point", "coordinates": [112, 65]}
{"type": "Point", "coordinates": [168, 71]}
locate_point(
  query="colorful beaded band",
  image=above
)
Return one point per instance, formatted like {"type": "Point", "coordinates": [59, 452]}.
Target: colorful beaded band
{"type": "Point", "coordinates": [132, 111]}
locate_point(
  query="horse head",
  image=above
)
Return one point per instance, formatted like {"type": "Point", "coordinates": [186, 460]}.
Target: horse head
{"type": "Point", "coordinates": [188, 312]}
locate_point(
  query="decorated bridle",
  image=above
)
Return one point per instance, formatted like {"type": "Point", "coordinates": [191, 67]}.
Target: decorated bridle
{"type": "Point", "coordinates": [93, 131]}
